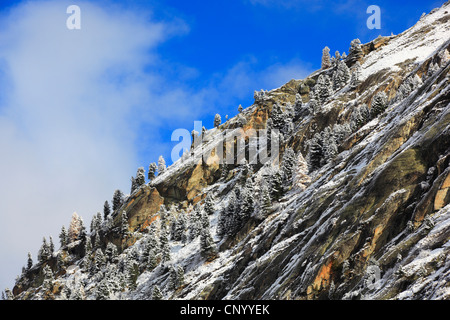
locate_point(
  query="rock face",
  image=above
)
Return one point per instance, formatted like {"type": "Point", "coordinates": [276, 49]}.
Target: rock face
{"type": "Point", "coordinates": [370, 221]}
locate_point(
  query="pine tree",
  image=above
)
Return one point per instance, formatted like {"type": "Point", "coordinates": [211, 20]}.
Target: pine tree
{"type": "Point", "coordinates": [161, 165]}
{"type": "Point", "coordinates": [180, 276]}
{"type": "Point", "coordinates": [207, 245]}
{"type": "Point", "coordinates": [152, 171]}
{"type": "Point", "coordinates": [157, 294]}
{"type": "Point", "coordinates": [140, 176]}
{"type": "Point", "coordinates": [355, 78]}
{"type": "Point", "coordinates": [152, 261]}
{"type": "Point", "coordinates": [266, 202]}
{"type": "Point", "coordinates": [172, 278]}
{"type": "Point", "coordinates": [164, 244]}
{"type": "Point", "coordinates": [287, 165]}
{"type": "Point", "coordinates": [355, 52]}
{"type": "Point", "coordinates": [74, 227]}
{"type": "Point", "coordinates": [341, 76]}
{"type": "Point", "coordinates": [124, 224]}
{"type": "Point", "coordinates": [316, 152]}
{"type": "Point", "coordinates": [47, 285]}
{"type": "Point", "coordinates": [44, 251]}
{"type": "Point", "coordinates": [240, 109]}
{"type": "Point", "coordinates": [110, 252]}
{"type": "Point", "coordinates": [323, 88]}
{"type": "Point", "coordinates": [63, 237]}
{"type": "Point", "coordinates": [379, 104]}
{"type": "Point", "coordinates": [51, 246]}
{"type": "Point", "coordinates": [276, 185]}
{"type": "Point", "coordinates": [247, 201]}
{"type": "Point", "coordinates": [29, 262]}
{"type": "Point", "coordinates": [134, 185]}
{"type": "Point", "coordinates": [117, 200]}
{"type": "Point", "coordinates": [209, 204]}
{"type": "Point", "coordinates": [106, 210]}
{"type": "Point", "coordinates": [217, 120]}
{"type": "Point", "coordinates": [326, 58]}
{"type": "Point", "coordinates": [277, 116]}
{"type": "Point", "coordinates": [298, 106]}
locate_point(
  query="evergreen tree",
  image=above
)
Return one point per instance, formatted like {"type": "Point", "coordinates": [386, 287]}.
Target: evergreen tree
{"type": "Point", "coordinates": [194, 224]}
{"type": "Point", "coordinates": [355, 78]}
{"type": "Point", "coordinates": [106, 210]}
{"type": "Point", "coordinates": [379, 104]}
{"type": "Point", "coordinates": [247, 201]}
{"type": "Point", "coordinates": [110, 252]}
{"type": "Point", "coordinates": [47, 285]}
{"type": "Point", "coordinates": [276, 185]}
{"type": "Point", "coordinates": [266, 202]}
{"type": "Point", "coordinates": [161, 165]}
{"type": "Point", "coordinates": [124, 231]}
{"type": "Point", "coordinates": [152, 261]}
{"type": "Point", "coordinates": [157, 294]}
{"type": "Point", "coordinates": [298, 106]}
{"type": "Point", "coordinates": [29, 262]}
{"type": "Point", "coordinates": [102, 290]}
{"type": "Point", "coordinates": [341, 76]}
{"type": "Point", "coordinates": [134, 185]}
{"type": "Point", "coordinates": [240, 109]}
{"type": "Point", "coordinates": [323, 88]}
{"type": "Point", "coordinates": [117, 201]}
{"type": "Point", "coordinates": [326, 58]}
{"type": "Point", "coordinates": [316, 152]}
{"type": "Point", "coordinates": [44, 251]}
{"type": "Point", "coordinates": [140, 176]}
{"type": "Point", "coordinates": [51, 246]}
{"type": "Point", "coordinates": [74, 227]}
{"type": "Point", "coordinates": [217, 120]}
{"type": "Point", "coordinates": [63, 237]}
{"type": "Point", "coordinates": [355, 52]}
{"type": "Point", "coordinates": [207, 245]}
{"type": "Point", "coordinates": [164, 244]}
{"type": "Point", "coordinates": [152, 171]}
{"type": "Point", "coordinates": [209, 204]}
{"type": "Point", "coordinates": [287, 165]}
{"type": "Point", "coordinates": [277, 117]}
{"type": "Point", "coordinates": [180, 276]}
{"type": "Point", "coordinates": [172, 278]}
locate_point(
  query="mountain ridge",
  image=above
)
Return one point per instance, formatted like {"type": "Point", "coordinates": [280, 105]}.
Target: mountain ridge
{"type": "Point", "coordinates": [363, 212]}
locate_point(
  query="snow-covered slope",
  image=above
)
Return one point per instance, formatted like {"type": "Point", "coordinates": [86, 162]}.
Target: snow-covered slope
{"type": "Point", "coordinates": [365, 216]}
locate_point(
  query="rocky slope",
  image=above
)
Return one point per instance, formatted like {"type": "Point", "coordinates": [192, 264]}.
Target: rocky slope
{"type": "Point", "coordinates": [365, 215]}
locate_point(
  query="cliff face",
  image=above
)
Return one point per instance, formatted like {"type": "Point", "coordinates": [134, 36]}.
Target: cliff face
{"type": "Point", "coordinates": [371, 221]}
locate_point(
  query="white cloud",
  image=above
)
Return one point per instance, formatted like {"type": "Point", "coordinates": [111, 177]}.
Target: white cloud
{"type": "Point", "coordinates": [70, 103]}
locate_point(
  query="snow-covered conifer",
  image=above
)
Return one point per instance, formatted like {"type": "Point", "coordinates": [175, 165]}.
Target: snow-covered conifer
{"type": "Point", "coordinates": [379, 104]}
{"type": "Point", "coordinates": [161, 165]}
{"type": "Point", "coordinates": [117, 200]}
{"type": "Point", "coordinates": [152, 171]}
{"type": "Point", "coordinates": [106, 210]}
{"type": "Point", "coordinates": [217, 120]}
{"type": "Point", "coordinates": [326, 58]}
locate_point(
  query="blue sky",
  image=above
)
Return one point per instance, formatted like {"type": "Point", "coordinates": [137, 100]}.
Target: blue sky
{"type": "Point", "coordinates": [81, 110]}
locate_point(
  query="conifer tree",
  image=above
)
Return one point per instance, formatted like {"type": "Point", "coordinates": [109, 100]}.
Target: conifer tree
{"type": "Point", "coordinates": [157, 294]}
{"type": "Point", "coordinates": [140, 176]}
{"type": "Point", "coordinates": [326, 58]}
{"type": "Point", "coordinates": [341, 76]}
{"type": "Point", "coordinates": [217, 120]}
{"type": "Point", "coordinates": [207, 245]}
{"type": "Point", "coordinates": [379, 104]}
{"type": "Point", "coordinates": [180, 276]}
{"type": "Point", "coordinates": [276, 185]}
{"type": "Point", "coordinates": [47, 285]}
{"type": "Point", "coordinates": [164, 244]}
{"type": "Point", "coordinates": [152, 171]}
{"type": "Point", "coordinates": [161, 165]}
{"type": "Point", "coordinates": [134, 185]}
{"type": "Point", "coordinates": [29, 262]}
{"type": "Point", "coordinates": [266, 202]}
{"type": "Point", "coordinates": [209, 204]}
{"type": "Point", "coordinates": [323, 88]}
{"type": "Point", "coordinates": [106, 210]}
{"type": "Point", "coordinates": [63, 237]}
{"type": "Point", "coordinates": [117, 200]}
{"type": "Point", "coordinates": [124, 224]}
{"type": "Point", "coordinates": [287, 165]}
{"type": "Point", "coordinates": [44, 251]}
